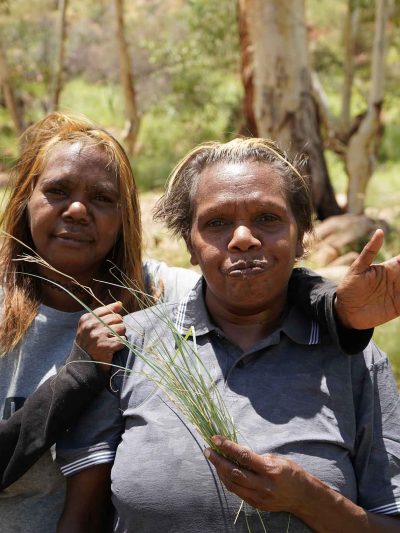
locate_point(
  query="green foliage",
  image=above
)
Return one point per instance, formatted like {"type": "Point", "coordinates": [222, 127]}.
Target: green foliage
{"type": "Point", "coordinates": [101, 102]}
{"type": "Point", "coordinates": [200, 62]}
{"type": "Point", "coordinates": [8, 141]}
{"type": "Point", "coordinates": [168, 131]}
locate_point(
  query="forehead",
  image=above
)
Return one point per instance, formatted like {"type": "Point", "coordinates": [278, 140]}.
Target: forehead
{"type": "Point", "coordinates": [238, 182]}
{"type": "Point", "coordinates": [77, 160]}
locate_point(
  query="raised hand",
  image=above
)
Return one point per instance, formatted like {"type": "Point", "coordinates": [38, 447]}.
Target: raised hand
{"type": "Point", "coordinates": [95, 337]}
{"type": "Point", "coordinates": [369, 295]}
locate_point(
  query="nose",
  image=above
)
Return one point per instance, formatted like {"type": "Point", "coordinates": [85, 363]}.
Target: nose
{"type": "Point", "coordinates": [243, 239]}
{"type": "Point", "coordinates": [77, 212]}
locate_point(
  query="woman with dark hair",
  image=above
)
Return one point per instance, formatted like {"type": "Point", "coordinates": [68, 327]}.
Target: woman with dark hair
{"type": "Point", "coordinates": [321, 429]}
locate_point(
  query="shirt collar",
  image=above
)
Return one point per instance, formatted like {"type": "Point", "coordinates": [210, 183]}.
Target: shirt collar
{"type": "Point", "coordinates": [192, 311]}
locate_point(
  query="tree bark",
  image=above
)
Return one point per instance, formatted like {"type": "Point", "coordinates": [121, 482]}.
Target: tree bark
{"type": "Point", "coordinates": [127, 81]}
{"type": "Point", "coordinates": [9, 95]}
{"type": "Point", "coordinates": [349, 33]}
{"type": "Point", "coordinates": [249, 127]}
{"type": "Point", "coordinates": [360, 160]}
{"type": "Point", "coordinates": [61, 39]}
{"type": "Point", "coordinates": [283, 103]}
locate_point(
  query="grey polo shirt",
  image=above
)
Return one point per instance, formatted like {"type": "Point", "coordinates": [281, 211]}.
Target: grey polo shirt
{"type": "Point", "coordinates": [294, 393]}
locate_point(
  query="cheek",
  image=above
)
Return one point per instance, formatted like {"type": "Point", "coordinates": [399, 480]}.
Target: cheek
{"type": "Point", "coordinates": [33, 218]}
{"type": "Point", "coordinates": [109, 234]}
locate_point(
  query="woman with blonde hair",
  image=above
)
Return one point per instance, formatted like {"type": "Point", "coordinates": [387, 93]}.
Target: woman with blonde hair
{"type": "Point", "coordinates": [74, 202]}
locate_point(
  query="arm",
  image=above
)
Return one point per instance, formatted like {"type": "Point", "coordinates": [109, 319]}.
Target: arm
{"type": "Point", "coordinates": [87, 501]}
{"type": "Point", "coordinates": [273, 483]}
{"type": "Point", "coordinates": [317, 298]}
{"type": "Point", "coordinates": [369, 295]}
{"type": "Point", "coordinates": [51, 409]}
{"type": "Point", "coordinates": [58, 402]}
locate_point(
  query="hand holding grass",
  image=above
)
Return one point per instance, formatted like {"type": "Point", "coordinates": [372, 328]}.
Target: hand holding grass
{"type": "Point", "coordinates": [95, 338]}
{"type": "Point", "coordinates": [369, 295]}
{"type": "Point", "coordinates": [267, 482]}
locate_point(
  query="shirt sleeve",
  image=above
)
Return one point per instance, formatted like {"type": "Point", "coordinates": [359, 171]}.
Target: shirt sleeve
{"type": "Point", "coordinates": [46, 414]}
{"type": "Point", "coordinates": [171, 284]}
{"type": "Point", "coordinates": [316, 296]}
{"type": "Point", "coordinates": [95, 436]}
{"type": "Point", "coordinates": [377, 448]}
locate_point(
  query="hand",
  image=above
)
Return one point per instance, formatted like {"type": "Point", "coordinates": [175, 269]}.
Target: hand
{"type": "Point", "coordinates": [95, 338]}
{"type": "Point", "coordinates": [266, 482]}
{"type": "Point", "coordinates": [369, 295]}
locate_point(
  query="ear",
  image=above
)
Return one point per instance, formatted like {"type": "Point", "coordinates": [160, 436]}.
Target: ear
{"type": "Point", "coordinates": [193, 256]}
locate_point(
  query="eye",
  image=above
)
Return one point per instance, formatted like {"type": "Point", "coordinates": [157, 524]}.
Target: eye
{"type": "Point", "coordinates": [267, 218]}
{"type": "Point", "coordinates": [56, 191]}
{"type": "Point", "coordinates": [217, 223]}
{"type": "Point", "coordinates": [102, 198]}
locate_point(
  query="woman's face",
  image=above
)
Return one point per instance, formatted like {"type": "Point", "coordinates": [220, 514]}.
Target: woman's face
{"type": "Point", "coordinates": [73, 212]}
{"type": "Point", "coordinates": [244, 236]}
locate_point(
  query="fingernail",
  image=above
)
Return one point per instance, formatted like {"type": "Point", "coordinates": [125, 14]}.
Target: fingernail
{"type": "Point", "coordinates": [217, 441]}
{"type": "Point", "coordinates": [207, 453]}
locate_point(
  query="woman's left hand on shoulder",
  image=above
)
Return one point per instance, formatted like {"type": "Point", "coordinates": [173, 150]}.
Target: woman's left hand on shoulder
{"type": "Point", "coordinates": [267, 482]}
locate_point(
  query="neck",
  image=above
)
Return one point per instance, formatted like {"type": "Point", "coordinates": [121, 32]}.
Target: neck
{"type": "Point", "coordinates": [58, 291]}
{"type": "Point", "coordinates": [246, 328]}
{"type": "Point", "coordinates": [60, 295]}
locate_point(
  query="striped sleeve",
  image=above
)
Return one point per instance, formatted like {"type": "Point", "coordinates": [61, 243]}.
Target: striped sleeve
{"type": "Point", "coordinates": [389, 509]}
{"type": "Point", "coordinates": [93, 440]}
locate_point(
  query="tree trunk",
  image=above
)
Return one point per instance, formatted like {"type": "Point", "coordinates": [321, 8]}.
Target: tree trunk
{"type": "Point", "coordinates": [249, 127]}
{"type": "Point", "coordinates": [349, 33]}
{"type": "Point", "coordinates": [127, 81]}
{"type": "Point", "coordinates": [283, 103]}
{"type": "Point", "coordinates": [9, 96]}
{"type": "Point", "coordinates": [363, 143]}
{"type": "Point", "coordinates": [61, 39]}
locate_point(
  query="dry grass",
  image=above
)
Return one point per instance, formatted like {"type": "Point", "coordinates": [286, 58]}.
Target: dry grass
{"type": "Point", "coordinates": [158, 243]}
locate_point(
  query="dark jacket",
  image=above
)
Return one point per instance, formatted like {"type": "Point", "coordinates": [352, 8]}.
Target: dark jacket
{"type": "Point", "coordinates": [46, 414]}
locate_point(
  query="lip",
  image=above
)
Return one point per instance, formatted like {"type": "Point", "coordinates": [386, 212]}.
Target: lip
{"type": "Point", "coordinates": [244, 268]}
{"type": "Point", "coordinates": [70, 237]}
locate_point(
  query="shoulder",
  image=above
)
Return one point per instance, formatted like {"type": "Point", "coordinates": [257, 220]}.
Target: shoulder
{"type": "Point", "coordinates": [175, 282]}
{"type": "Point", "coordinates": [153, 321]}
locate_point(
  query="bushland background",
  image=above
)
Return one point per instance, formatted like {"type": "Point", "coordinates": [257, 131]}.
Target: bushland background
{"type": "Point", "coordinates": [320, 77]}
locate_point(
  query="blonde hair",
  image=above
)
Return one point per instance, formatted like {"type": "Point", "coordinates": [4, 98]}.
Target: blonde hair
{"type": "Point", "coordinates": [21, 292]}
{"type": "Point", "coordinates": [175, 207]}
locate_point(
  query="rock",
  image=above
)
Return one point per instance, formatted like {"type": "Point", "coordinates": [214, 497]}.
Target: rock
{"type": "Point", "coordinates": [335, 236]}
{"type": "Point", "coordinates": [345, 260]}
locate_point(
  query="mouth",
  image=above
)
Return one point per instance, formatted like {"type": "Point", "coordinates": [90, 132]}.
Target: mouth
{"type": "Point", "coordinates": [244, 269]}
{"type": "Point", "coordinates": [73, 238]}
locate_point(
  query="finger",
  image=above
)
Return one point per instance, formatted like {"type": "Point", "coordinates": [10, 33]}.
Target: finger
{"type": "Point", "coordinates": [112, 319]}
{"type": "Point", "coordinates": [116, 330]}
{"type": "Point", "coordinates": [90, 322]}
{"type": "Point", "coordinates": [114, 344]}
{"type": "Point", "coordinates": [114, 307]}
{"type": "Point", "coordinates": [231, 473]}
{"type": "Point", "coordinates": [369, 253]}
{"type": "Point", "coordinates": [239, 454]}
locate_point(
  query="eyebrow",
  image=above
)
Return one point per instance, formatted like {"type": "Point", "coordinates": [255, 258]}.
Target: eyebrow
{"type": "Point", "coordinates": [221, 204]}
{"type": "Point", "coordinates": [102, 186]}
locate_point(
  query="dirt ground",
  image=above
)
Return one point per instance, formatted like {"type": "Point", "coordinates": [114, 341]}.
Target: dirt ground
{"type": "Point", "coordinates": [158, 242]}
